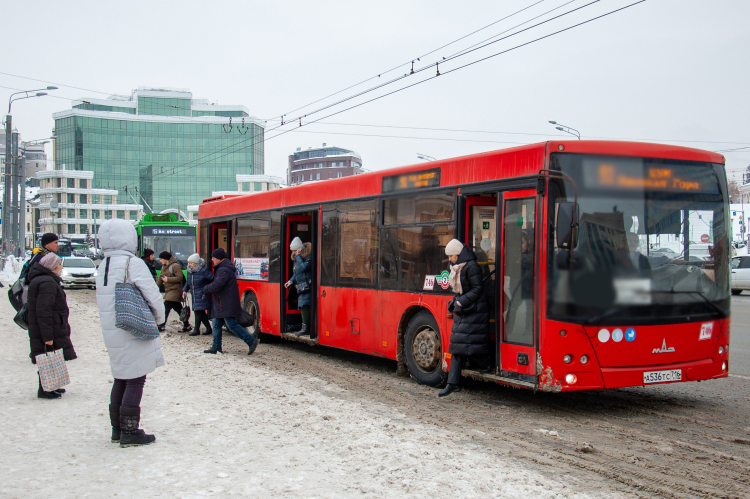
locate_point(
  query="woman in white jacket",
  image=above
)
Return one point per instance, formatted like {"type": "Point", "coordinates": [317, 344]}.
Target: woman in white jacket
{"type": "Point", "coordinates": [131, 358]}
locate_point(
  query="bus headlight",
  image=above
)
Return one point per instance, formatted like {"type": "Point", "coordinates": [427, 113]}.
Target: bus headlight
{"type": "Point", "coordinates": [584, 359]}
{"type": "Point", "coordinates": [571, 379]}
{"type": "Point", "coordinates": [723, 366]}
{"type": "Point", "coordinates": [721, 349]}
{"type": "Point", "coordinates": [568, 359]}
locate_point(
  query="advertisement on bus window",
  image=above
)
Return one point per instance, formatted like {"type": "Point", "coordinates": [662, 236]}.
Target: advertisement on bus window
{"type": "Point", "coordinates": [252, 268]}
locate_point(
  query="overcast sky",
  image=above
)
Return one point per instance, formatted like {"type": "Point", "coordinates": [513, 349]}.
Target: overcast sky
{"type": "Point", "coordinates": [672, 71]}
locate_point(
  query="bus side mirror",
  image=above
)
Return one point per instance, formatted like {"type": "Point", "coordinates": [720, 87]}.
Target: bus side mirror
{"type": "Point", "coordinates": [567, 227]}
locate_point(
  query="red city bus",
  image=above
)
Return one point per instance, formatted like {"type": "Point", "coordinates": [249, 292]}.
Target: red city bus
{"type": "Point", "coordinates": [572, 237]}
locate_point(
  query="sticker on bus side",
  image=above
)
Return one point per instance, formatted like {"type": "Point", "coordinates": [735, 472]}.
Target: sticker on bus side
{"type": "Point", "coordinates": [429, 282]}
{"type": "Point", "coordinates": [707, 330]}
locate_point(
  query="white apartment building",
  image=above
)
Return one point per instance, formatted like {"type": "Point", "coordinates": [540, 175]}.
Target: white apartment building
{"type": "Point", "coordinates": [81, 208]}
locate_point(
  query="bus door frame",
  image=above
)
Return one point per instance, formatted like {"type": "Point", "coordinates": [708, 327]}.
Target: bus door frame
{"type": "Point", "coordinates": [213, 229]}
{"type": "Point", "coordinates": [313, 219]}
{"type": "Point", "coordinates": [508, 352]}
{"type": "Point", "coordinates": [469, 201]}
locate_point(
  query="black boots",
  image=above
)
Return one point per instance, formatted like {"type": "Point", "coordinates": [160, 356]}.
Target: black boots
{"type": "Point", "coordinates": [302, 331]}
{"type": "Point", "coordinates": [114, 419]}
{"type": "Point", "coordinates": [213, 350]}
{"type": "Point", "coordinates": [130, 434]}
{"type": "Point", "coordinates": [196, 330]}
{"type": "Point", "coordinates": [54, 394]}
{"type": "Point", "coordinates": [186, 327]}
{"type": "Point", "coordinates": [253, 346]}
{"type": "Point", "coordinates": [449, 388]}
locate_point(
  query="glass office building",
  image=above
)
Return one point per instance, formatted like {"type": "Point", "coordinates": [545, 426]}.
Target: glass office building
{"type": "Point", "coordinates": [159, 147]}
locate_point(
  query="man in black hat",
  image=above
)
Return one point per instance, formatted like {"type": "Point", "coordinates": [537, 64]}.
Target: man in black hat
{"type": "Point", "coordinates": [226, 302]}
{"type": "Point", "coordinates": [49, 244]}
{"type": "Point", "coordinates": [148, 259]}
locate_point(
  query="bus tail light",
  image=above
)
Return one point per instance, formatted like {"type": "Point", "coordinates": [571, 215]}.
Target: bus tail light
{"type": "Point", "coordinates": [568, 359]}
{"type": "Point", "coordinates": [584, 359]}
{"type": "Point", "coordinates": [571, 379]}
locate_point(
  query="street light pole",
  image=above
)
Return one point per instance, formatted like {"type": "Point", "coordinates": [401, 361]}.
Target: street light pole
{"type": "Point", "coordinates": [566, 129]}
{"type": "Point", "coordinates": [8, 240]}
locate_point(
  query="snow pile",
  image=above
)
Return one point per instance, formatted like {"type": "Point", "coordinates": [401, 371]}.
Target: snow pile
{"type": "Point", "coordinates": [12, 269]}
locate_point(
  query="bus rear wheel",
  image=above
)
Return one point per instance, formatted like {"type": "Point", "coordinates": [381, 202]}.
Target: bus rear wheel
{"type": "Point", "coordinates": [424, 350]}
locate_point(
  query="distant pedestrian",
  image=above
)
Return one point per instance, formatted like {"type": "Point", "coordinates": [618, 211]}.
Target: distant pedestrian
{"type": "Point", "coordinates": [148, 259]}
{"type": "Point", "coordinates": [49, 244]}
{"type": "Point", "coordinates": [198, 276]}
{"type": "Point", "coordinates": [130, 358]}
{"type": "Point", "coordinates": [47, 306]}
{"type": "Point", "coordinates": [470, 335]}
{"type": "Point", "coordinates": [301, 277]}
{"type": "Point", "coordinates": [226, 302]}
{"type": "Point", "coordinates": [172, 277]}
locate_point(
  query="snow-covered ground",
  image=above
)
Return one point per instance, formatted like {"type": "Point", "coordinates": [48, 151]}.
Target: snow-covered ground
{"type": "Point", "coordinates": [230, 425]}
{"type": "Point", "coordinates": [12, 269]}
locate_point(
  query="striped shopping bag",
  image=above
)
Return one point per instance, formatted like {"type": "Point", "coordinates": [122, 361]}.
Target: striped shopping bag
{"type": "Point", "coordinates": [52, 370]}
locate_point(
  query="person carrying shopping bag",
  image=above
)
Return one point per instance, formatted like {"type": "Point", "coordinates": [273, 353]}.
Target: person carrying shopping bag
{"type": "Point", "coordinates": [172, 277]}
{"type": "Point", "coordinates": [130, 358]}
{"type": "Point", "coordinates": [48, 313]}
{"type": "Point", "coordinates": [198, 277]}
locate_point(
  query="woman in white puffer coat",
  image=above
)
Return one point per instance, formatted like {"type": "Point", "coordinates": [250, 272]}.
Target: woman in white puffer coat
{"type": "Point", "coordinates": [131, 358]}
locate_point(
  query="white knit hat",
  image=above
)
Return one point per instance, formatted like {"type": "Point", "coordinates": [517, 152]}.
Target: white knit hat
{"type": "Point", "coordinates": [194, 258]}
{"type": "Point", "coordinates": [296, 244]}
{"type": "Point", "coordinates": [454, 247]}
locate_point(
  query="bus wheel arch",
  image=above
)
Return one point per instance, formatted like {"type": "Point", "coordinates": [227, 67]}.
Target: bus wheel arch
{"type": "Point", "coordinates": [422, 349]}
{"type": "Point", "coordinates": [251, 306]}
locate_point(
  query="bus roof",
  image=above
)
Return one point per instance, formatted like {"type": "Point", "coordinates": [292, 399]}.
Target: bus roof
{"type": "Point", "coordinates": [493, 165]}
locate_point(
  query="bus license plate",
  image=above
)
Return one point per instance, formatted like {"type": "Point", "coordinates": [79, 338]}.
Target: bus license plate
{"type": "Point", "coordinates": [662, 376]}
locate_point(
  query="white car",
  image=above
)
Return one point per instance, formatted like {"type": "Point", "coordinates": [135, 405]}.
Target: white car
{"type": "Point", "coordinates": [740, 274]}
{"type": "Point", "coordinates": [78, 271]}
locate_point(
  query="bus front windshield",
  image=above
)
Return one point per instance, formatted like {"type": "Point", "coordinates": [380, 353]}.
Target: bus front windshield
{"type": "Point", "coordinates": [653, 242]}
{"type": "Point", "coordinates": [181, 246]}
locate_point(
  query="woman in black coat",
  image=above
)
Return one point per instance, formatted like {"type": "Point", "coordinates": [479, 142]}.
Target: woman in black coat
{"type": "Point", "coordinates": [471, 315]}
{"type": "Point", "coordinates": [48, 315]}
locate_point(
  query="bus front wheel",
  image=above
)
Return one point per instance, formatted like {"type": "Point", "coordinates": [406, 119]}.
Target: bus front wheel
{"type": "Point", "coordinates": [252, 308]}
{"type": "Point", "coordinates": [424, 351]}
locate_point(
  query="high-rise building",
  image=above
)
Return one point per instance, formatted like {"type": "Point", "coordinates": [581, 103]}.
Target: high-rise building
{"type": "Point", "coordinates": [158, 145]}
{"type": "Point", "coordinates": [322, 163]}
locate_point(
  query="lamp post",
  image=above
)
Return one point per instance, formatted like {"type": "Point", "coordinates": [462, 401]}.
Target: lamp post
{"type": "Point", "coordinates": [22, 200]}
{"type": "Point", "coordinates": [425, 157]}
{"type": "Point", "coordinates": [566, 129]}
{"type": "Point", "coordinates": [10, 215]}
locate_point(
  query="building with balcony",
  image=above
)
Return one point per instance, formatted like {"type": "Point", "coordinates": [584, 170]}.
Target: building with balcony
{"type": "Point", "coordinates": [322, 163]}
{"type": "Point", "coordinates": [162, 145]}
{"type": "Point", "coordinates": [80, 207]}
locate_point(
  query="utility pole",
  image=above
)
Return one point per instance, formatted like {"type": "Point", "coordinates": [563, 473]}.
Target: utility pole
{"type": "Point", "coordinates": [7, 186]}
{"type": "Point", "coordinates": [13, 249]}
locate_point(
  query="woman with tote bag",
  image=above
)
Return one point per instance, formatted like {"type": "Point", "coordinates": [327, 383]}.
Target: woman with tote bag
{"type": "Point", "coordinates": [130, 358]}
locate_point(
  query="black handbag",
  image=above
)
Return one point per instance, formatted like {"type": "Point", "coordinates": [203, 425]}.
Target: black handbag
{"type": "Point", "coordinates": [185, 313]}
{"type": "Point", "coordinates": [245, 319]}
{"type": "Point", "coordinates": [303, 287]}
{"type": "Point", "coordinates": [22, 317]}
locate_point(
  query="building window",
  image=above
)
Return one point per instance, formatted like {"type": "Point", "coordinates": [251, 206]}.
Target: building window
{"type": "Point", "coordinates": [28, 227]}
{"type": "Point", "coordinates": [311, 176]}
{"type": "Point", "coordinates": [71, 198]}
{"type": "Point", "coordinates": [71, 182]}
{"type": "Point", "coordinates": [317, 176]}
{"type": "Point", "coordinates": [339, 175]}
{"type": "Point", "coordinates": [107, 214]}
{"type": "Point", "coordinates": [71, 229]}
{"type": "Point", "coordinates": [82, 198]}
{"type": "Point", "coordinates": [107, 199]}
{"type": "Point", "coordinates": [59, 182]}
{"type": "Point", "coordinates": [94, 214]}
{"type": "Point", "coordinates": [83, 214]}
{"type": "Point", "coordinates": [257, 186]}
{"type": "Point", "coordinates": [121, 214]}
{"type": "Point", "coordinates": [82, 183]}
{"type": "Point", "coordinates": [71, 213]}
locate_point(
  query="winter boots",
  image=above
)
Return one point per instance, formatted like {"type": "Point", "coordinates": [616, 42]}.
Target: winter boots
{"type": "Point", "coordinates": [130, 435]}
{"type": "Point", "coordinates": [186, 327]}
{"type": "Point", "coordinates": [302, 331]}
{"type": "Point", "coordinates": [196, 330]}
{"type": "Point", "coordinates": [54, 394]}
{"type": "Point", "coordinates": [449, 388]}
{"type": "Point", "coordinates": [114, 419]}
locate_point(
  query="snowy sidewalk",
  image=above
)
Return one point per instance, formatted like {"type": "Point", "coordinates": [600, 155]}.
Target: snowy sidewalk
{"type": "Point", "coordinates": [225, 426]}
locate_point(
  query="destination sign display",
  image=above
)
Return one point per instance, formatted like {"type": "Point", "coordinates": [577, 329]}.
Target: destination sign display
{"type": "Point", "coordinates": [168, 231]}
{"type": "Point", "coordinates": [411, 181]}
{"type": "Point", "coordinates": [635, 174]}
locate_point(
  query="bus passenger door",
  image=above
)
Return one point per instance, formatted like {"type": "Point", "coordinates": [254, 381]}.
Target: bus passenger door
{"type": "Point", "coordinates": [302, 226]}
{"type": "Point", "coordinates": [517, 339]}
{"type": "Point", "coordinates": [221, 237]}
{"type": "Point", "coordinates": [481, 236]}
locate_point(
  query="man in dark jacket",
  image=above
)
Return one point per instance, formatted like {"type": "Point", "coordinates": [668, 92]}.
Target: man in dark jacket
{"type": "Point", "coordinates": [148, 259]}
{"type": "Point", "coordinates": [226, 302]}
{"type": "Point", "coordinates": [49, 244]}
{"type": "Point", "coordinates": [48, 315]}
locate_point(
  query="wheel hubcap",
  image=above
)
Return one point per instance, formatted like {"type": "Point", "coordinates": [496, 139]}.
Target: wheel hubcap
{"type": "Point", "coordinates": [252, 310]}
{"type": "Point", "coordinates": [426, 348]}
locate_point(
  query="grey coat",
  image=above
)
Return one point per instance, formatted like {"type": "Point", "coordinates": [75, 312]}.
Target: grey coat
{"type": "Point", "coordinates": [129, 356]}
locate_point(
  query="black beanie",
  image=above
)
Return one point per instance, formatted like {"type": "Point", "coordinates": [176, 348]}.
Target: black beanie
{"type": "Point", "coordinates": [147, 252]}
{"type": "Point", "coordinates": [219, 253]}
{"type": "Point", "coordinates": [165, 255]}
{"type": "Point", "coordinates": [47, 238]}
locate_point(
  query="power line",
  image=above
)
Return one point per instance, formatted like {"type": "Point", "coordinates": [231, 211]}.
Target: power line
{"type": "Point", "coordinates": [409, 137]}
{"type": "Point", "coordinates": [54, 83]}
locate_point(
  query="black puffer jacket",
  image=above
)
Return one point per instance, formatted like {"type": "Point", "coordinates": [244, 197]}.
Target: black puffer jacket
{"type": "Point", "coordinates": [226, 301]}
{"type": "Point", "coordinates": [48, 314]}
{"type": "Point", "coordinates": [471, 332]}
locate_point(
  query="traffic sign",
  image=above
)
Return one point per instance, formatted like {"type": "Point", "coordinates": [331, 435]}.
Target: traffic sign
{"type": "Point", "coordinates": [705, 238]}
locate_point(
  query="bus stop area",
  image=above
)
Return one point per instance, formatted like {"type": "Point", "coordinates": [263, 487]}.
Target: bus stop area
{"type": "Point", "coordinates": [301, 421]}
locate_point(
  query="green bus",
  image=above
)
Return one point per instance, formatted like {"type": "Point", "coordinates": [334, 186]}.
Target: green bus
{"type": "Point", "coordinates": [164, 232]}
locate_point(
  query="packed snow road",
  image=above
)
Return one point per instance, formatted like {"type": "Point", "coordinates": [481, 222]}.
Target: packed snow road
{"type": "Point", "coordinates": [299, 421]}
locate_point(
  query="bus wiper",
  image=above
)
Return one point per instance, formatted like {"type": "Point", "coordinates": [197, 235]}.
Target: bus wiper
{"type": "Point", "coordinates": [708, 302]}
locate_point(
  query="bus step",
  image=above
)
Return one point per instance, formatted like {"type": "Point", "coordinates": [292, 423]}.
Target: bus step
{"type": "Point", "coordinates": [470, 373]}
{"type": "Point", "coordinates": [301, 339]}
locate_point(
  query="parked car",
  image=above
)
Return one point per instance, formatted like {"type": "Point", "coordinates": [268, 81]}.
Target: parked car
{"type": "Point", "coordinates": [740, 274]}
{"type": "Point", "coordinates": [78, 271]}
{"type": "Point", "coordinates": [86, 253]}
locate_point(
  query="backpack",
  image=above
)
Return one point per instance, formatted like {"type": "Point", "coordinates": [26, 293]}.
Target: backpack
{"type": "Point", "coordinates": [18, 292]}
{"type": "Point", "coordinates": [182, 276]}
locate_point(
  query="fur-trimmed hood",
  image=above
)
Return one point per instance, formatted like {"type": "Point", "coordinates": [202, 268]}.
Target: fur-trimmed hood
{"type": "Point", "coordinates": [306, 250]}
